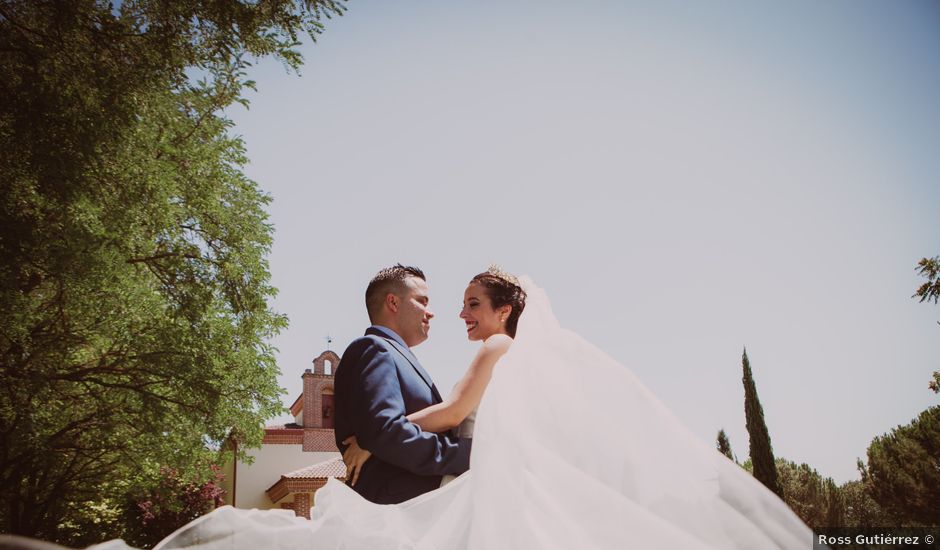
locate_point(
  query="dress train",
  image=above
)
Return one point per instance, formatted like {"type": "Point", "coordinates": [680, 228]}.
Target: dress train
{"type": "Point", "coordinates": [570, 451]}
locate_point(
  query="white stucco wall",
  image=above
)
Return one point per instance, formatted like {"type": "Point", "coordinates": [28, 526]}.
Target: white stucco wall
{"type": "Point", "coordinates": [271, 461]}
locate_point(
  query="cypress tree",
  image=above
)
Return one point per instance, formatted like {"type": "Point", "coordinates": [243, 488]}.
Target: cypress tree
{"type": "Point", "coordinates": [762, 454]}
{"type": "Point", "coordinates": [723, 445]}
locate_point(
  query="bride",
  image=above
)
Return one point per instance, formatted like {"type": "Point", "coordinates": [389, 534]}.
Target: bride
{"type": "Point", "coordinates": [570, 451]}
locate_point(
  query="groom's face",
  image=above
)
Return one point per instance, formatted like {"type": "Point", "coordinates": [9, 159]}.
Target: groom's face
{"type": "Point", "coordinates": [414, 314]}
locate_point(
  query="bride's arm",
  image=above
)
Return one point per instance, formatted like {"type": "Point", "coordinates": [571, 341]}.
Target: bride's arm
{"type": "Point", "coordinates": [468, 392]}
{"type": "Point", "coordinates": [447, 414]}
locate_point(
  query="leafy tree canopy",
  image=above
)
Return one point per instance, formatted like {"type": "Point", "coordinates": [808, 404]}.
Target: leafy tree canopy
{"type": "Point", "coordinates": [903, 471]}
{"type": "Point", "coordinates": [134, 288]}
{"type": "Point", "coordinates": [930, 290]}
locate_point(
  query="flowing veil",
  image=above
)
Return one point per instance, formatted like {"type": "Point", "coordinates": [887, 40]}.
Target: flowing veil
{"type": "Point", "coordinates": [570, 451]}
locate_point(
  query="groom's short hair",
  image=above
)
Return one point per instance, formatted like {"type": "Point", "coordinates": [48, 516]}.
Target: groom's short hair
{"type": "Point", "coordinates": [389, 280]}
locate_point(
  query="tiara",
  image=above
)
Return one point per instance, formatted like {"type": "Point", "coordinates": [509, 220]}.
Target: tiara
{"type": "Point", "coordinates": [504, 276]}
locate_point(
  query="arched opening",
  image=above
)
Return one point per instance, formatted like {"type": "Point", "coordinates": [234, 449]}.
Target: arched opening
{"type": "Point", "coordinates": [326, 407]}
{"type": "Point", "coordinates": [327, 367]}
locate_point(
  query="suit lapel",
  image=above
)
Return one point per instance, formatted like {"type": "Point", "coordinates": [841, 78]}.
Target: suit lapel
{"type": "Point", "coordinates": [389, 336]}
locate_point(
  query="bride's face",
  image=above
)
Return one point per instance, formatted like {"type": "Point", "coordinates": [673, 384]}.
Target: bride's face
{"type": "Point", "coordinates": [478, 313]}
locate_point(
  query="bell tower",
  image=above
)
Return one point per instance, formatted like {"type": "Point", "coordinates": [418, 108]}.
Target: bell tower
{"type": "Point", "coordinates": [318, 392]}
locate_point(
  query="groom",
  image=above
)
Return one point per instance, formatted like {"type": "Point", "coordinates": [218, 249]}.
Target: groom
{"type": "Point", "coordinates": [379, 381]}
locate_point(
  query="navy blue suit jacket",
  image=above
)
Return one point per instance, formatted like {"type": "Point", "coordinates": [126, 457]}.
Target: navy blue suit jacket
{"type": "Point", "coordinates": [377, 383]}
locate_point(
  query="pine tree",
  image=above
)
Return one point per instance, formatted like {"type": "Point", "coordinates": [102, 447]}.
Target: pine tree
{"type": "Point", "coordinates": [762, 454]}
{"type": "Point", "coordinates": [804, 492]}
{"type": "Point", "coordinates": [903, 472]}
{"type": "Point", "coordinates": [930, 268]}
{"type": "Point", "coordinates": [835, 504]}
{"type": "Point", "coordinates": [723, 445]}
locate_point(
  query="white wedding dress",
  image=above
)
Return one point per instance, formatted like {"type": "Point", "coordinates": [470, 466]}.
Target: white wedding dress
{"type": "Point", "coordinates": [570, 451]}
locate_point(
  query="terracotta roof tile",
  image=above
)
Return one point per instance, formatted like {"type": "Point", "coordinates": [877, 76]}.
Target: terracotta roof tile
{"type": "Point", "coordinates": [320, 439]}
{"type": "Point", "coordinates": [330, 468]}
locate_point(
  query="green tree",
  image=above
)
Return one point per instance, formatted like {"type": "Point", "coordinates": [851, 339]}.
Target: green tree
{"type": "Point", "coordinates": [134, 318]}
{"type": "Point", "coordinates": [835, 504]}
{"type": "Point", "coordinates": [724, 445]}
{"type": "Point", "coordinates": [804, 491]}
{"type": "Point", "coordinates": [860, 509]}
{"type": "Point", "coordinates": [816, 500]}
{"type": "Point", "coordinates": [930, 290]}
{"type": "Point", "coordinates": [903, 471]}
{"type": "Point", "coordinates": [761, 451]}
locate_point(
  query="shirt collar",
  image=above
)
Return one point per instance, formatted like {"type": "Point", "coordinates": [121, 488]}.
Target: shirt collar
{"type": "Point", "coordinates": [385, 331]}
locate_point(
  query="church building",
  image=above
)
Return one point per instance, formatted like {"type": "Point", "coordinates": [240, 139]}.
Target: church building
{"type": "Point", "coordinates": [295, 459]}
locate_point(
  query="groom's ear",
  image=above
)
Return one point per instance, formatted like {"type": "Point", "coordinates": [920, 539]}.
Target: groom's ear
{"type": "Point", "coordinates": [392, 302]}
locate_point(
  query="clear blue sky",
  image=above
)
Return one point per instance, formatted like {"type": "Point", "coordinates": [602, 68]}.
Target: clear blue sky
{"type": "Point", "coordinates": [683, 178]}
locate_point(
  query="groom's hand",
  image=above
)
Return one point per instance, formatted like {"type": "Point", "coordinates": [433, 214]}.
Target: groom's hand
{"type": "Point", "coordinates": [354, 457]}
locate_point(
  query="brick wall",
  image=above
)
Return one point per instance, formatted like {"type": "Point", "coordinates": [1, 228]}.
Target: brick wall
{"type": "Point", "coordinates": [302, 504]}
{"type": "Point", "coordinates": [283, 437]}
{"type": "Point", "coordinates": [320, 362]}
{"type": "Point", "coordinates": [314, 384]}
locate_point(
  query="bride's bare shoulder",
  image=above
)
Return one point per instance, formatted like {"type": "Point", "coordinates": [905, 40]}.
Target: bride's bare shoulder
{"type": "Point", "coordinates": [497, 343]}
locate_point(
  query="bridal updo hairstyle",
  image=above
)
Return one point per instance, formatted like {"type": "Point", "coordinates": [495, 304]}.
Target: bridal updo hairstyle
{"type": "Point", "coordinates": [502, 288]}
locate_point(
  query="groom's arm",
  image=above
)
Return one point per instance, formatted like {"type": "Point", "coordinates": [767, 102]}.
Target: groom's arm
{"type": "Point", "coordinates": [381, 426]}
